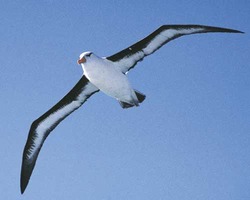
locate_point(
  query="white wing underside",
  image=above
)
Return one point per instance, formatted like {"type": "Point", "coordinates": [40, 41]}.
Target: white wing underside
{"type": "Point", "coordinates": [42, 127]}
{"type": "Point", "coordinates": [60, 114]}
{"type": "Point", "coordinates": [128, 58]}
{"type": "Point", "coordinates": [157, 42]}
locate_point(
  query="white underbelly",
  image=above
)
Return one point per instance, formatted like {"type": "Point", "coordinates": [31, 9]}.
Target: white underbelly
{"type": "Point", "coordinates": [110, 81]}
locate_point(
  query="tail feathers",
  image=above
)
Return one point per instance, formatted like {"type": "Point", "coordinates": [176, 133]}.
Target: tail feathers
{"type": "Point", "coordinates": [125, 105]}
{"type": "Point", "coordinates": [140, 98]}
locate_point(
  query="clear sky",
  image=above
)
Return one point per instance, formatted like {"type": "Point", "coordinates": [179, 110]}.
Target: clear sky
{"type": "Point", "coordinates": [190, 138]}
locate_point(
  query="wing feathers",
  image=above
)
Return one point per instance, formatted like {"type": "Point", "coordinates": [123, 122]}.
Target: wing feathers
{"type": "Point", "coordinates": [41, 127]}
{"type": "Point", "coordinates": [128, 58]}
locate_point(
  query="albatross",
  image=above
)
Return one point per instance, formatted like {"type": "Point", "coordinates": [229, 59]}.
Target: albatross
{"type": "Point", "coordinates": [106, 74]}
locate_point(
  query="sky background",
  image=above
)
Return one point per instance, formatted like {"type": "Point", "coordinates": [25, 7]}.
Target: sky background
{"type": "Point", "coordinates": [190, 138]}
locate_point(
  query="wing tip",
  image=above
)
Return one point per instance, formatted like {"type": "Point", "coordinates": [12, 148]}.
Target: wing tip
{"type": "Point", "coordinates": [210, 28]}
{"type": "Point", "coordinates": [237, 31]}
{"type": "Point", "coordinates": [23, 183]}
{"type": "Point", "coordinates": [26, 171]}
{"type": "Point", "coordinates": [24, 180]}
{"type": "Point", "coordinates": [22, 188]}
{"type": "Point", "coordinates": [227, 30]}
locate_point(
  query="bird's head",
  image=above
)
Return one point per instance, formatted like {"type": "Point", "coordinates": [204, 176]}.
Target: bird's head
{"type": "Point", "coordinates": [84, 57]}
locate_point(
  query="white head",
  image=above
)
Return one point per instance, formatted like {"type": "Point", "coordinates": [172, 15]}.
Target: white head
{"type": "Point", "coordinates": [84, 57]}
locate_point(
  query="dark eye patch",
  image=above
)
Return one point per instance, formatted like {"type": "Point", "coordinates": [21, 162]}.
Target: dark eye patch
{"type": "Point", "coordinates": [89, 54]}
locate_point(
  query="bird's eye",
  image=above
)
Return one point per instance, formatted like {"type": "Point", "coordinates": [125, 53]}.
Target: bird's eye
{"type": "Point", "coordinates": [88, 55]}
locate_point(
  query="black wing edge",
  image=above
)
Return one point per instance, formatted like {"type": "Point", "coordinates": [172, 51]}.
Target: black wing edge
{"type": "Point", "coordinates": [144, 42]}
{"type": "Point", "coordinates": [29, 164]}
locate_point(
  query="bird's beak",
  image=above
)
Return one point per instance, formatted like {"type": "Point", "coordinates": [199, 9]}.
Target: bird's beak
{"type": "Point", "coordinates": [82, 60]}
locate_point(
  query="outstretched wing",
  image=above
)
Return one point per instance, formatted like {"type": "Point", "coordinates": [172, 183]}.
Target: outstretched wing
{"type": "Point", "coordinates": [128, 58]}
{"type": "Point", "coordinates": [42, 126]}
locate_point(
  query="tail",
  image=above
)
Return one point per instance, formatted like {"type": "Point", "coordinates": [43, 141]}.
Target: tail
{"type": "Point", "coordinates": [140, 98]}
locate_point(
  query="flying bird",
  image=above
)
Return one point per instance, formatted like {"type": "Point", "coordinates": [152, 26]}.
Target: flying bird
{"type": "Point", "coordinates": [106, 74]}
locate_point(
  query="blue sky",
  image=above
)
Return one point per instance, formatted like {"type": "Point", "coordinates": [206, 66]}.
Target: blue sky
{"type": "Point", "coordinates": [188, 140]}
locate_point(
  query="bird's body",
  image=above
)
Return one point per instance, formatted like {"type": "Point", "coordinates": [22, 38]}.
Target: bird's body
{"type": "Point", "coordinates": [109, 79]}
{"type": "Point", "coordinates": [107, 74]}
